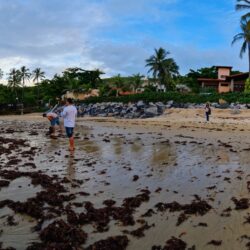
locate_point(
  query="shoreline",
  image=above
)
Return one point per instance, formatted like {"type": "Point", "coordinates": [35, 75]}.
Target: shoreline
{"type": "Point", "coordinates": [221, 119]}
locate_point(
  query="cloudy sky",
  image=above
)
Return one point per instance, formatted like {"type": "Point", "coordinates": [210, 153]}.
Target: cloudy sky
{"type": "Point", "coordinates": [117, 35]}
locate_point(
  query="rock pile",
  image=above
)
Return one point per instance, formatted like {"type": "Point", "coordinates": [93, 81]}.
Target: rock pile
{"type": "Point", "coordinates": [120, 110]}
{"type": "Point", "coordinates": [144, 110]}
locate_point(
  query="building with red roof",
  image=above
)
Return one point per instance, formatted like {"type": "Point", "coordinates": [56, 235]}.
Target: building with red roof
{"type": "Point", "coordinates": [225, 82]}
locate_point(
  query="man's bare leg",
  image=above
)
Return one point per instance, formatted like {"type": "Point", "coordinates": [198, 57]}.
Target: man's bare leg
{"type": "Point", "coordinates": [71, 144]}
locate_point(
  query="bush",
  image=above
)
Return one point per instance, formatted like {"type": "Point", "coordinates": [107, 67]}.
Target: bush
{"type": "Point", "coordinates": [174, 96]}
{"type": "Point", "coordinates": [247, 86]}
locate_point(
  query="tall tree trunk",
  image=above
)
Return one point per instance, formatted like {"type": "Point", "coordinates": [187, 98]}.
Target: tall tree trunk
{"type": "Point", "coordinates": [22, 98]}
{"type": "Point", "coordinates": [38, 92]}
{"type": "Point", "coordinates": [248, 58]}
{"type": "Point", "coordinates": [16, 95]}
{"type": "Point", "coordinates": [23, 91]}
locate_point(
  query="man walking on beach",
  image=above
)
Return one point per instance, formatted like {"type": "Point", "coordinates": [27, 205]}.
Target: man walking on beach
{"type": "Point", "coordinates": [69, 115]}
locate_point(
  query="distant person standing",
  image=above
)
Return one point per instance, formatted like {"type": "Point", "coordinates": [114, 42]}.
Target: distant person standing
{"type": "Point", "coordinates": [207, 111]}
{"type": "Point", "coordinates": [69, 116]}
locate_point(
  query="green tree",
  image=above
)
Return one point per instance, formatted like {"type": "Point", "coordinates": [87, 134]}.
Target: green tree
{"type": "Point", "coordinates": [150, 88]}
{"type": "Point", "coordinates": [118, 83]}
{"type": "Point", "coordinates": [25, 75]}
{"type": "Point", "coordinates": [245, 37]}
{"type": "Point", "coordinates": [14, 81]}
{"type": "Point", "coordinates": [95, 77]}
{"type": "Point", "coordinates": [163, 68]}
{"type": "Point", "coordinates": [5, 94]}
{"type": "Point", "coordinates": [207, 72]}
{"type": "Point", "coordinates": [247, 86]}
{"type": "Point", "coordinates": [75, 87]}
{"type": "Point", "coordinates": [88, 77]}
{"type": "Point", "coordinates": [38, 76]}
{"type": "Point", "coordinates": [137, 81]}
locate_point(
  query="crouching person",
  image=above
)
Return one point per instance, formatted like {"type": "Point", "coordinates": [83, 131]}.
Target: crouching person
{"type": "Point", "coordinates": [54, 121]}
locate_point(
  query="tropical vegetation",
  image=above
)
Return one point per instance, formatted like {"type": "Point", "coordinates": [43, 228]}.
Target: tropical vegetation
{"type": "Point", "coordinates": [163, 68]}
{"type": "Point", "coordinates": [244, 36]}
{"type": "Point", "coordinates": [243, 5]}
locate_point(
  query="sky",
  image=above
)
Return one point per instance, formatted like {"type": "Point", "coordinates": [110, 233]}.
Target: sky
{"type": "Point", "coordinates": [117, 36]}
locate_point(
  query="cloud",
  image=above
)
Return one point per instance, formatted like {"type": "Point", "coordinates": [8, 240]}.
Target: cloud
{"type": "Point", "coordinates": [115, 35]}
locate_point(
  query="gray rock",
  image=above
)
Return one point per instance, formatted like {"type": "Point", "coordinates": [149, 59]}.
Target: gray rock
{"type": "Point", "coordinates": [243, 106]}
{"type": "Point", "coordinates": [152, 111]}
{"type": "Point", "coordinates": [151, 104]}
{"type": "Point", "coordinates": [223, 106]}
{"type": "Point", "coordinates": [170, 103]}
{"type": "Point", "coordinates": [140, 104]}
{"type": "Point", "coordinates": [160, 104]}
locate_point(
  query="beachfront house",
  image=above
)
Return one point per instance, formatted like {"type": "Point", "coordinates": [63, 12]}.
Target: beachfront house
{"type": "Point", "coordinates": [79, 95]}
{"type": "Point", "coordinates": [159, 87]}
{"type": "Point", "coordinates": [225, 82]}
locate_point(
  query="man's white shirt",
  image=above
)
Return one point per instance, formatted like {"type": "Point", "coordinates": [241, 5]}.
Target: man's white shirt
{"type": "Point", "coordinates": [69, 115]}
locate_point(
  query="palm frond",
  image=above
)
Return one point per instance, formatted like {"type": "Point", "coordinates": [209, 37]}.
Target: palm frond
{"type": "Point", "coordinates": [237, 38]}
{"type": "Point", "coordinates": [243, 49]}
{"type": "Point", "coordinates": [242, 7]}
{"type": "Point", "coordinates": [246, 16]}
{"type": "Point", "coordinates": [244, 1]}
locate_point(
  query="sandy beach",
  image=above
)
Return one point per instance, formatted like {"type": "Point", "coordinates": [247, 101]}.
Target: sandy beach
{"type": "Point", "coordinates": [130, 184]}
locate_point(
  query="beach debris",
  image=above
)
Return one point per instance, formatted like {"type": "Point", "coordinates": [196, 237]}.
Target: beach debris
{"type": "Point", "coordinates": [60, 235]}
{"type": "Point", "coordinates": [215, 242]}
{"type": "Point", "coordinates": [173, 244]}
{"type": "Point", "coordinates": [196, 207]}
{"type": "Point", "coordinates": [140, 231]}
{"type": "Point", "coordinates": [241, 204]}
{"type": "Point", "coordinates": [111, 243]}
{"type": "Point", "coordinates": [135, 177]}
{"type": "Point", "coordinates": [4, 183]}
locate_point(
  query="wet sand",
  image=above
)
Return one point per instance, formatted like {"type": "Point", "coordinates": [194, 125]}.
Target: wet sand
{"type": "Point", "coordinates": [185, 179]}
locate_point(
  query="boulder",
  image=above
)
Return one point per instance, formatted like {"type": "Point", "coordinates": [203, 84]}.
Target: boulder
{"type": "Point", "coordinates": [140, 104]}
{"type": "Point", "coordinates": [160, 104]}
{"type": "Point", "coordinates": [223, 106]}
{"type": "Point", "coordinates": [170, 103]}
{"type": "Point", "coordinates": [151, 111]}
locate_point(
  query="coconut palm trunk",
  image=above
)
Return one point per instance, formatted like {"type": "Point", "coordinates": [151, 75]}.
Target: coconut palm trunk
{"type": "Point", "coordinates": [38, 92]}
{"type": "Point", "coordinates": [22, 98]}
{"type": "Point", "coordinates": [248, 44]}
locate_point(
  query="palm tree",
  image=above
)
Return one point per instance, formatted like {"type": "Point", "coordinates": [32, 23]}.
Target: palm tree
{"type": "Point", "coordinates": [95, 77]}
{"type": "Point", "coordinates": [118, 83]}
{"type": "Point", "coordinates": [25, 75]}
{"type": "Point", "coordinates": [38, 75]}
{"type": "Point", "coordinates": [163, 68]}
{"type": "Point", "coordinates": [137, 81]}
{"type": "Point", "coordinates": [14, 80]}
{"type": "Point", "coordinates": [245, 37]}
{"type": "Point", "coordinates": [243, 5]}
